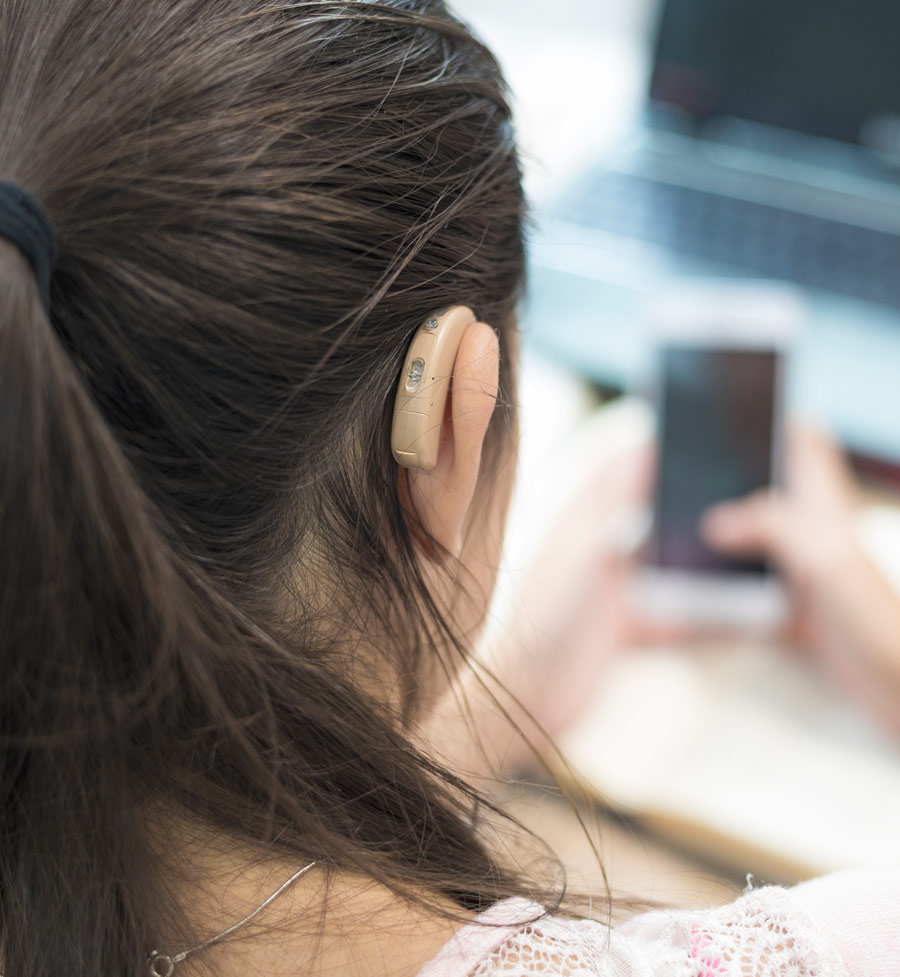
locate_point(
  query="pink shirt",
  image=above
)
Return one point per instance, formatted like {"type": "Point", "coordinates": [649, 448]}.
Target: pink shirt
{"type": "Point", "coordinates": [843, 925]}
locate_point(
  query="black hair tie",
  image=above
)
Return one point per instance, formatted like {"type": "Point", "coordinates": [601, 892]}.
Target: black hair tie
{"type": "Point", "coordinates": [25, 223]}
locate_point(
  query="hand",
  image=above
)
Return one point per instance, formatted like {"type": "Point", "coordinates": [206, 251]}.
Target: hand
{"type": "Point", "coordinates": [846, 615]}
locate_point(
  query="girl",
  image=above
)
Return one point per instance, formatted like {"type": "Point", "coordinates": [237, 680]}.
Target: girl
{"type": "Point", "coordinates": [225, 610]}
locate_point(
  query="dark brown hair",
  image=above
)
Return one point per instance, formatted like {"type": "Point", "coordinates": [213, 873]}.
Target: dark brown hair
{"type": "Point", "coordinates": [257, 203]}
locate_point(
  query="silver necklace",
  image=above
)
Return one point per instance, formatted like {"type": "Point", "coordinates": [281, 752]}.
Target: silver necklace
{"type": "Point", "coordinates": [162, 965]}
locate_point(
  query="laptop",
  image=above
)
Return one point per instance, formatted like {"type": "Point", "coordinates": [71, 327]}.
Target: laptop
{"type": "Point", "coordinates": [769, 148]}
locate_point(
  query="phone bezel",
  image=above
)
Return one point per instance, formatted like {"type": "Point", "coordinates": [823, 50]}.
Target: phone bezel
{"type": "Point", "coordinates": [723, 317]}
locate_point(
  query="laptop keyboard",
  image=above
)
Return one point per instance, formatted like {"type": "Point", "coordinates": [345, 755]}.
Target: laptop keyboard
{"type": "Point", "coordinates": [757, 238]}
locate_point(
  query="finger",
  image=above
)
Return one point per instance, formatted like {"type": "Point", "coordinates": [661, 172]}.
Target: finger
{"type": "Point", "coordinates": [815, 457]}
{"type": "Point", "coordinates": [636, 627]}
{"type": "Point", "coordinates": [610, 500]}
{"type": "Point", "coordinates": [756, 526]}
{"type": "Point", "coordinates": [642, 471]}
{"type": "Point", "coordinates": [628, 474]}
{"type": "Point", "coordinates": [645, 631]}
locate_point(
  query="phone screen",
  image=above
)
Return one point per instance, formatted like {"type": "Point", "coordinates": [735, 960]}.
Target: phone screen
{"type": "Point", "coordinates": [716, 436]}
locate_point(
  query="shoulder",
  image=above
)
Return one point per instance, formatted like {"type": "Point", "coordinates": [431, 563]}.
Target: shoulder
{"type": "Point", "coordinates": [811, 931]}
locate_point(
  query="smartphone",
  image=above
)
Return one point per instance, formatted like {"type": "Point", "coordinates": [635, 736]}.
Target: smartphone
{"type": "Point", "coordinates": [721, 363]}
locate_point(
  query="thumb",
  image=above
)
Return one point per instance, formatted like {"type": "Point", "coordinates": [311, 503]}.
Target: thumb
{"type": "Point", "coordinates": [755, 526]}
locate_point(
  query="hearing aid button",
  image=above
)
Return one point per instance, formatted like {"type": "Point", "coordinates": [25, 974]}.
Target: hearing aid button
{"type": "Point", "coordinates": [414, 375]}
{"type": "Point", "coordinates": [409, 426]}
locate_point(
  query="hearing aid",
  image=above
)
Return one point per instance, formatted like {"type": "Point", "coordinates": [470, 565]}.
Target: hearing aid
{"type": "Point", "coordinates": [424, 384]}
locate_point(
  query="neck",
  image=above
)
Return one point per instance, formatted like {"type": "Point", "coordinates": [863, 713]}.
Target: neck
{"type": "Point", "coordinates": [325, 924]}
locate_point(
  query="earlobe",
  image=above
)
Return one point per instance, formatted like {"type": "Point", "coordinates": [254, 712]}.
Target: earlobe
{"type": "Point", "coordinates": [440, 499]}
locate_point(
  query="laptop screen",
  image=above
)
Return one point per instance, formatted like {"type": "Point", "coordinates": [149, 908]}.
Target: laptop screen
{"type": "Point", "coordinates": [826, 67]}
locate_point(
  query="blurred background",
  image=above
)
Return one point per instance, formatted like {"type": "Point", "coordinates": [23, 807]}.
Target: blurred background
{"type": "Point", "coordinates": [699, 141]}
{"type": "Point", "coordinates": [694, 138]}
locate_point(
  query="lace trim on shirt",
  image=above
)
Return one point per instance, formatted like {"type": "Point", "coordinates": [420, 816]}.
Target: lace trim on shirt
{"type": "Point", "coordinates": [764, 934]}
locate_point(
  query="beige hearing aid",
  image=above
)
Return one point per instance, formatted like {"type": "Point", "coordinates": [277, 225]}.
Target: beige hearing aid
{"type": "Point", "coordinates": [424, 382]}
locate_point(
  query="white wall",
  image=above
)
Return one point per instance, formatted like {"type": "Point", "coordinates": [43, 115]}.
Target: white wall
{"type": "Point", "coordinates": [577, 71]}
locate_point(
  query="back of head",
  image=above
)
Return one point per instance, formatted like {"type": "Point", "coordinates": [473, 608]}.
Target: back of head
{"type": "Point", "coordinates": [256, 204]}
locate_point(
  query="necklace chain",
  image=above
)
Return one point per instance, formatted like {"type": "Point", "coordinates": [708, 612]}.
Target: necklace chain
{"type": "Point", "coordinates": [162, 965]}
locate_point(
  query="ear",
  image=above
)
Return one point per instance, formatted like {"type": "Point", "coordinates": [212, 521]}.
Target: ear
{"type": "Point", "coordinates": [441, 498]}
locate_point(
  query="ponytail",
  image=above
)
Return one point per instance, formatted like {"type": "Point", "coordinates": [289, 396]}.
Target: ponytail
{"type": "Point", "coordinates": [85, 646]}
